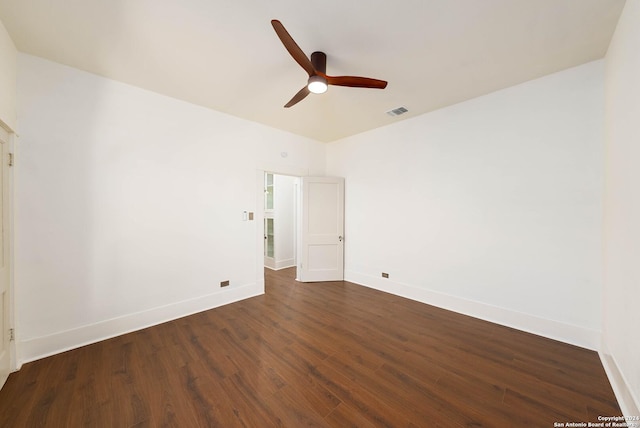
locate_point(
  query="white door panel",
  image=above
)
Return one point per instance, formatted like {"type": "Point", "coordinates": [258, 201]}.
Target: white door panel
{"type": "Point", "coordinates": [322, 229]}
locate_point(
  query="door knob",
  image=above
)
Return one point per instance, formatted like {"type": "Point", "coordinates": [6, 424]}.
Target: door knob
{"type": "Point", "coordinates": [340, 238]}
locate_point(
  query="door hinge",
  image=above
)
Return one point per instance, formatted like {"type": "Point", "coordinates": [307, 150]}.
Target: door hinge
{"type": "Point", "coordinates": [12, 335]}
{"type": "Point", "coordinates": [10, 159]}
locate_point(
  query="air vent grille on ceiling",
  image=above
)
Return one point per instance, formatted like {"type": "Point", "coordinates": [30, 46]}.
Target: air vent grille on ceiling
{"type": "Point", "coordinates": [397, 111]}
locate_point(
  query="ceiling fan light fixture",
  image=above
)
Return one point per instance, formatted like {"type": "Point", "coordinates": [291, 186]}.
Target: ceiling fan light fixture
{"type": "Point", "coordinates": [317, 84]}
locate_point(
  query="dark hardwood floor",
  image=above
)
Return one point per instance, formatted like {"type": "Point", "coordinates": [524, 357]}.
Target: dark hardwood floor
{"type": "Point", "coordinates": [325, 354]}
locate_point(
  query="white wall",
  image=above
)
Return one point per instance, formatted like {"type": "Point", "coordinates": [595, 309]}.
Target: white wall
{"type": "Point", "coordinates": [8, 61]}
{"type": "Point", "coordinates": [621, 344]}
{"type": "Point", "coordinates": [130, 206]}
{"type": "Point", "coordinates": [492, 207]}
{"type": "Point", "coordinates": [284, 221]}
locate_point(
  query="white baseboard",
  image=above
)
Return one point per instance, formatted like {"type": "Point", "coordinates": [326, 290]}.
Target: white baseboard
{"type": "Point", "coordinates": [551, 329]}
{"type": "Point", "coordinates": [283, 264]}
{"type": "Point", "coordinates": [40, 347]}
{"type": "Point", "coordinates": [629, 404]}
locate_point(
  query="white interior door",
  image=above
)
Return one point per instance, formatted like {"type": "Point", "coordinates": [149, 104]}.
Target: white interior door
{"type": "Point", "coordinates": [5, 354]}
{"type": "Point", "coordinates": [322, 230]}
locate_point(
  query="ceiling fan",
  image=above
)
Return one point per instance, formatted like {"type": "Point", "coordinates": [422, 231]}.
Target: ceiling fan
{"type": "Point", "coordinates": [316, 67]}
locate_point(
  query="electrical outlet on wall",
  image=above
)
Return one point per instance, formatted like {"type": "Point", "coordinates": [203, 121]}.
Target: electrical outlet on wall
{"type": "Point", "coordinates": [385, 275]}
{"type": "Point", "coordinates": [224, 283]}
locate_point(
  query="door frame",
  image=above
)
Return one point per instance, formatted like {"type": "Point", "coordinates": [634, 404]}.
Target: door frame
{"type": "Point", "coordinates": [8, 138]}
{"type": "Point", "coordinates": [260, 212]}
{"type": "Point", "coordinates": [273, 263]}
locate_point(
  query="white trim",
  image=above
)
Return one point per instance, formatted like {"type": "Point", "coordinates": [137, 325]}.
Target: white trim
{"type": "Point", "coordinates": [269, 262]}
{"type": "Point", "coordinates": [40, 347]}
{"type": "Point", "coordinates": [5, 127]}
{"type": "Point", "coordinates": [289, 170]}
{"type": "Point", "coordinates": [551, 329]}
{"type": "Point", "coordinates": [283, 264]}
{"type": "Point", "coordinates": [629, 404]}
{"type": "Point", "coordinates": [13, 147]}
{"type": "Point", "coordinates": [8, 138]}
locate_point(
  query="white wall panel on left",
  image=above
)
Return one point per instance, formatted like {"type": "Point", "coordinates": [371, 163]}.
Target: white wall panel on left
{"type": "Point", "coordinates": [130, 206]}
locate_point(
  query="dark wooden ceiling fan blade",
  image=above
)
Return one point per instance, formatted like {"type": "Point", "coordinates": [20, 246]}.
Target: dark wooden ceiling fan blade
{"type": "Point", "coordinates": [302, 94]}
{"type": "Point", "coordinates": [292, 47]}
{"type": "Point", "coordinates": [356, 82]}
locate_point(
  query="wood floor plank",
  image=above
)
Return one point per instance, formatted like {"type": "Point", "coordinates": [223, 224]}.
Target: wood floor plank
{"type": "Point", "coordinates": [331, 354]}
{"type": "Point", "coordinates": [344, 416]}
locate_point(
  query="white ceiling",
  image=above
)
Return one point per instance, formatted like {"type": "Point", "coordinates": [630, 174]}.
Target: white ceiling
{"type": "Point", "coordinates": [226, 56]}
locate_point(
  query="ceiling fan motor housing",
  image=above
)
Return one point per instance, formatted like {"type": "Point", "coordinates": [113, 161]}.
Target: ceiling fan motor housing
{"type": "Point", "coordinates": [319, 61]}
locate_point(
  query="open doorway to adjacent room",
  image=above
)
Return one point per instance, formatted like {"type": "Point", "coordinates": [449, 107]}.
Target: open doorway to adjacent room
{"type": "Point", "coordinates": [281, 199]}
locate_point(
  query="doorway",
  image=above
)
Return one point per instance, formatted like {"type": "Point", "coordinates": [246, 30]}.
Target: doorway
{"type": "Point", "coordinates": [318, 227]}
{"type": "Point", "coordinates": [280, 227]}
